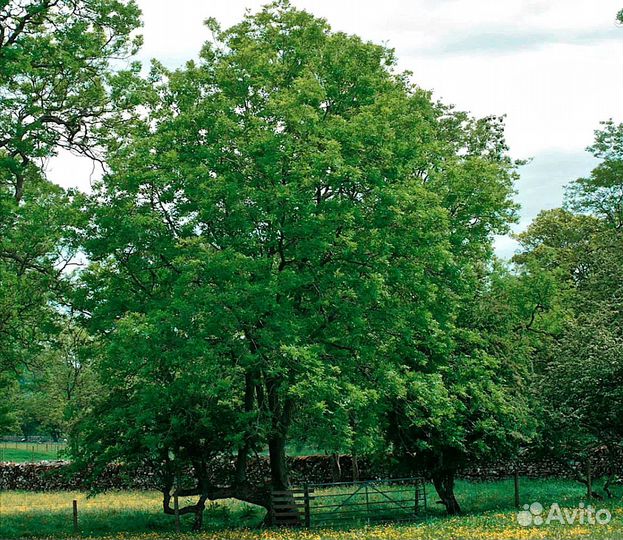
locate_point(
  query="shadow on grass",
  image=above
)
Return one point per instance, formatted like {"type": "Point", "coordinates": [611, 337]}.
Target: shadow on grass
{"type": "Point", "coordinates": [105, 520]}
{"type": "Point", "coordinates": [24, 514]}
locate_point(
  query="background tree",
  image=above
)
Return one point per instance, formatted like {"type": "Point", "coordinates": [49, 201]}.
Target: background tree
{"type": "Point", "coordinates": [478, 406]}
{"type": "Point", "coordinates": [58, 380]}
{"type": "Point", "coordinates": [54, 62]}
{"type": "Point", "coordinates": [54, 57]}
{"type": "Point", "coordinates": [453, 409]}
{"type": "Point", "coordinates": [34, 254]}
{"type": "Point", "coordinates": [581, 248]}
{"type": "Point", "coordinates": [8, 409]}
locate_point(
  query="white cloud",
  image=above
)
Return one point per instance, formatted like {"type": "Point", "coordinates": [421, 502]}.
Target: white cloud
{"type": "Point", "coordinates": [72, 171]}
{"type": "Point", "coordinates": [553, 94]}
{"type": "Point", "coordinates": [553, 97]}
{"type": "Point", "coordinates": [552, 66]}
{"type": "Point", "coordinates": [505, 246]}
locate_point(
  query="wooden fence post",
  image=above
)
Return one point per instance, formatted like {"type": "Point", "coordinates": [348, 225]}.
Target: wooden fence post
{"type": "Point", "coordinates": [307, 506]}
{"type": "Point", "coordinates": [176, 507]}
{"type": "Point", "coordinates": [417, 499]}
{"type": "Point", "coordinates": [75, 515]}
{"type": "Point", "coordinates": [516, 482]}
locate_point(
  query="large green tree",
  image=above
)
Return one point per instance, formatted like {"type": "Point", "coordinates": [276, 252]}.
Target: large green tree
{"type": "Point", "coordinates": [267, 221]}
{"type": "Point", "coordinates": [282, 242]}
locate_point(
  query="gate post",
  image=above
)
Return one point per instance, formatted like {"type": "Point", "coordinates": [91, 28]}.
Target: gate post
{"type": "Point", "coordinates": [417, 498]}
{"type": "Point", "coordinates": [367, 505]}
{"type": "Point", "coordinates": [306, 506]}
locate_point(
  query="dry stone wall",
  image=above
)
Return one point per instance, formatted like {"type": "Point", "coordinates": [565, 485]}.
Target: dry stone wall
{"type": "Point", "coordinates": [52, 476]}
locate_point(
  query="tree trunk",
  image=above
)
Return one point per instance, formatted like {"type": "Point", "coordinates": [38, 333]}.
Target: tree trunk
{"type": "Point", "coordinates": [607, 483]}
{"type": "Point", "coordinates": [355, 463]}
{"type": "Point", "coordinates": [251, 494]}
{"type": "Point", "coordinates": [199, 508]}
{"type": "Point", "coordinates": [582, 478]}
{"type": "Point", "coordinates": [280, 479]}
{"type": "Point", "coordinates": [336, 469]}
{"type": "Point", "coordinates": [444, 485]}
{"type": "Point", "coordinates": [243, 452]}
{"type": "Point", "coordinates": [281, 416]}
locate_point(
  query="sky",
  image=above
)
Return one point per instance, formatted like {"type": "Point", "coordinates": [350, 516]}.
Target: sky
{"type": "Point", "coordinates": [553, 67]}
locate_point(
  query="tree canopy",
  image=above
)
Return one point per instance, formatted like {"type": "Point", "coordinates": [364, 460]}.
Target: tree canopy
{"type": "Point", "coordinates": [288, 232]}
{"type": "Point", "coordinates": [55, 60]}
{"type": "Point", "coordinates": [580, 249]}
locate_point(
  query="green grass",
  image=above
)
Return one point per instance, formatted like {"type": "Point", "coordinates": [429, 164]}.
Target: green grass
{"type": "Point", "coordinates": [26, 452]}
{"type": "Point", "coordinates": [25, 514]}
{"type": "Point", "coordinates": [488, 507]}
{"type": "Point", "coordinates": [23, 452]}
{"type": "Point", "coordinates": [478, 496]}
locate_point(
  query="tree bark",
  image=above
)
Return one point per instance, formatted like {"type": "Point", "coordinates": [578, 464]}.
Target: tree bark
{"type": "Point", "coordinates": [355, 463]}
{"type": "Point", "coordinates": [280, 409]}
{"type": "Point", "coordinates": [607, 483]}
{"type": "Point", "coordinates": [444, 485]}
{"type": "Point", "coordinates": [279, 471]}
{"type": "Point", "coordinates": [243, 451]}
{"type": "Point", "coordinates": [581, 477]}
{"type": "Point", "coordinates": [199, 508]}
{"type": "Point", "coordinates": [259, 496]}
{"type": "Point", "coordinates": [279, 476]}
{"type": "Point", "coordinates": [336, 469]}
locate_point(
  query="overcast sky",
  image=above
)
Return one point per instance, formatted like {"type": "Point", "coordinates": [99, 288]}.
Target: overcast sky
{"type": "Point", "coordinates": [553, 67]}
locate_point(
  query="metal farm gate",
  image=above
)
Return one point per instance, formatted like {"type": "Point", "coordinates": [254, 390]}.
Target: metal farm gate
{"type": "Point", "coordinates": [317, 505]}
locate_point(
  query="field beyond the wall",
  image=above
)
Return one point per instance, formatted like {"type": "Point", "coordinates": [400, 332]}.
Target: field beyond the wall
{"type": "Point", "coordinates": [24, 452]}
{"type": "Point", "coordinates": [489, 513]}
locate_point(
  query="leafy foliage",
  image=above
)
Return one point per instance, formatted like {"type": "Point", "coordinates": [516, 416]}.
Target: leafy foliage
{"type": "Point", "coordinates": [54, 62]}
{"type": "Point", "coordinates": [581, 367]}
{"type": "Point", "coordinates": [292, 237]}
{"type": "Point", "coordinates": [54, 57]}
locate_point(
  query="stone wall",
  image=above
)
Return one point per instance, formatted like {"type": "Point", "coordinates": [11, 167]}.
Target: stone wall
{"type": "Point", "coordinates": [53, 476]}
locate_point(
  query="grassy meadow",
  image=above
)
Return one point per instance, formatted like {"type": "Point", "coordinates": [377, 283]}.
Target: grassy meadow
{"type": "Point", "coordinates": [23, 452]}
{"type": "Point", "coordinates": [488, 513]}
